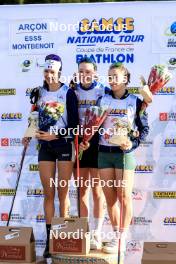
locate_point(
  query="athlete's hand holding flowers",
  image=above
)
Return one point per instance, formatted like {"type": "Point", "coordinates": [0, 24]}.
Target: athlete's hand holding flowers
{"type": "Point", "coordinates": [158, 77]}
{"type": "Point", "coordinates": [94, 117]}
{"type": "Point", "coordinates": [45, 136]}
{"type": "Point", "coordinates": [126, 146]}
{"type": "Point", "coordinates": [84, 146]}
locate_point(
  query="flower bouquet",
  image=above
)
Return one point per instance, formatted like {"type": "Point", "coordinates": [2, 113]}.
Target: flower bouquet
{"type": "Point", "coordinates": [49, 113]}
{"type": "Point", "coordinates": [121, 132]}
{"type": "Point", "coordinates": [158, 77]}
{"type": "Point", "coordinates": [94, 117]}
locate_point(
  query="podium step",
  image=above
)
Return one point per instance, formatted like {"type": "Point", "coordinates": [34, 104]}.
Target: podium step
{"type": "Point", "coordinates": [96, 257]}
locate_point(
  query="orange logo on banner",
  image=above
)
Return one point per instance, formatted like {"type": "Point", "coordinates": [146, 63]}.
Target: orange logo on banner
{"type": "Point", "coordinates": [4, 142]}
{"type": "Point", "coordinates": [4, 217]}
{"type": "Point", "coordinates": [163, 117]}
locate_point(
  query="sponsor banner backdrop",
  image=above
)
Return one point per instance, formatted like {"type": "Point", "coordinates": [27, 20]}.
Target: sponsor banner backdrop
{"type": "Point", "coordinates": [131, 33]}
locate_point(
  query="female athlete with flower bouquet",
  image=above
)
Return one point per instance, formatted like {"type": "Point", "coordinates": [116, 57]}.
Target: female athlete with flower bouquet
{"type": "Point", "coordinates": [57, 106]}
{"type": "Point", "coordinates": [115, 157]}
{"type": "Point", "coordinates": [88, 91]}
